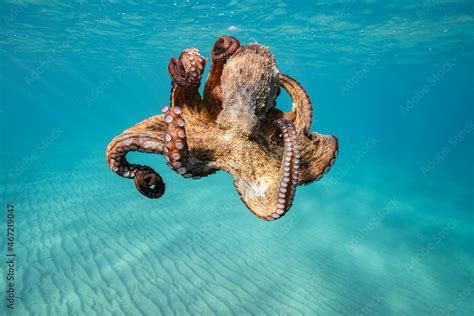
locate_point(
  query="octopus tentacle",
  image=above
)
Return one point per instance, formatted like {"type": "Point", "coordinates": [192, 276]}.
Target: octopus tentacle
{"type": "Point", "coordinates": [319, 154]}
{"type": "Point", "coordinates": [185, 105]}
{"type": "Point", "coordinates": [175, 148]}
{"type": "Point", "coordinates": [302, 108]}
{"type": "Point", "coordinates": [149, 183]}
{"type": "Point", "coordinates": [289, 170]}
{"type": "Point", "coordinates": [187, 70]}
{"type": "Point", "coordinates": [180, 157]}
{"type": "Point", "coordinates": [223, 48]}
{"type": "Point", "coordinates": [145, 136]}
{"type": "Point", "coordinates": [320, 151]}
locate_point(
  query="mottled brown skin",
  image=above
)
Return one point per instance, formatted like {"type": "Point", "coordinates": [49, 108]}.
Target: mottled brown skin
{"type": "Point", "coordinates": [235, 127]}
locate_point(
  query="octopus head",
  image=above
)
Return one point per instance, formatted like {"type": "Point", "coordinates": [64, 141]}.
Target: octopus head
{"type": "Point", "coordinates": [249, 85]}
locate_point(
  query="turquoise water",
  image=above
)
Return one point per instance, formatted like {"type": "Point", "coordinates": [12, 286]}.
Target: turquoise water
{"type": "Point", "coordinates": [389, 231]}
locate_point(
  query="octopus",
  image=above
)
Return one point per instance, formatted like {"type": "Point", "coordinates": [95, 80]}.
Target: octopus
{"type": "Point", "coordinates": [234, 126]}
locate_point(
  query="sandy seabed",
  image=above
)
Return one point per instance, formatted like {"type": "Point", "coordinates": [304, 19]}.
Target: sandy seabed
{"type": "Point", "coordinates": [88, 243]}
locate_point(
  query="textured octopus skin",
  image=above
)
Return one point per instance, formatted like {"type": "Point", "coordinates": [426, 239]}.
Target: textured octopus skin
{"type": "Point", "coordinates": [235, 127]}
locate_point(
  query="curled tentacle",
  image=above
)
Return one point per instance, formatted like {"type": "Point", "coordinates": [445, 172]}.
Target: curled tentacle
{"type": "Point", "coordinates": [145, 137]}
{"type": "Point", "coordinates": [187, 70]}
{"type": "Point", "coordinates": [186, 73]}
{"type": "Point", "coordinates": [223, 48]}
{"type": "Point", "coordinates": [302, 108]}
{"type": "Point", "coordinates": [177, 72]}
{"type": "Point", "coordinates": [149, 183]}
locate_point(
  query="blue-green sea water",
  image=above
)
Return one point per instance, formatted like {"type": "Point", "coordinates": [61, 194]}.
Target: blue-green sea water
{"type": "Point", "coordinates": [389, 231]}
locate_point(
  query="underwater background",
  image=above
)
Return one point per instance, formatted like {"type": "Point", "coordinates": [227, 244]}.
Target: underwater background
{"type": "Point", "coordinates": [389, 231]}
